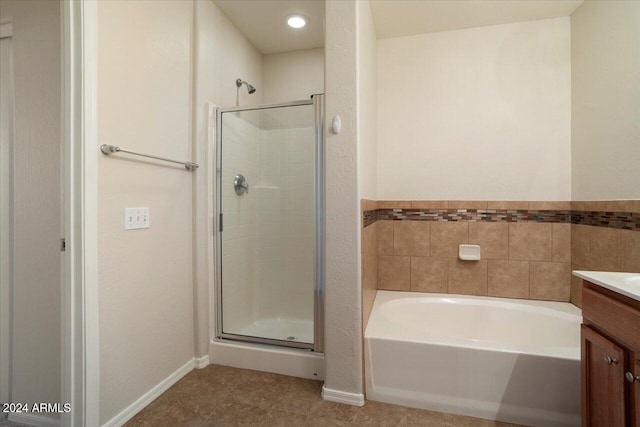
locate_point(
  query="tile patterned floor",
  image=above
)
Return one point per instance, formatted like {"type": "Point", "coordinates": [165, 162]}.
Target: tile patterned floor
{"type": "Point", "coordinates": [224, 396]}
{"type": "Point", "coordinates": [7, 423]}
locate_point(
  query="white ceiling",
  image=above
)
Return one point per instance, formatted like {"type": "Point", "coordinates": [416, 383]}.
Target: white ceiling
{"type": "Point", "coordinates": [397, 18]}
{"type": "Point", "coordinates": [263, 23]}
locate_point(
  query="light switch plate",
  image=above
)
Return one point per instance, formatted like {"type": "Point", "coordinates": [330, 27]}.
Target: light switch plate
{"type": "Point", "coordinates": [136, 218]}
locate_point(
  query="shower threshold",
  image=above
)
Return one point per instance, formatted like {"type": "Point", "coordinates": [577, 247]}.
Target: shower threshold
{"type": "Point", "coordinates": [293, 330]}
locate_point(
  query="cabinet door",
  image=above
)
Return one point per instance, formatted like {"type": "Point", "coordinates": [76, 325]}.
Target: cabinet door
{"type": "Point", "coordinates": [635, 391]}
{"type": "Point", "coordinates": [603, 381]}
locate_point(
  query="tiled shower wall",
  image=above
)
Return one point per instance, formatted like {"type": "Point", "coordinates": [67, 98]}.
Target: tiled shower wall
{"type": "Point", "coordinates": [274, 223]}
{"type": "Point", "coordinates": [239, 279]}
{"type": "Point", "coordinates": [298, 221]}
{"type": "Point", "coordinates": [527, 249]}
{"type": "Point", "coordinates": [285, 224]}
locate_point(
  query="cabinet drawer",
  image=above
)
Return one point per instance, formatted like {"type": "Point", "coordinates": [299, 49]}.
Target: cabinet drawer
{"type": "Point", "coordinates": [618, 319]}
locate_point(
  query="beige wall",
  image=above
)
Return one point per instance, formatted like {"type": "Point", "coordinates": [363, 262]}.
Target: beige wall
{"type": "Point", "coordinates": [145, 276]}
{"type": "Point", "coordinates": [367, 104]}
{"type": "Point", "coordinates": [36, 186]}
{"type": "Point", "coordinates": [480, 113]}
{"type": "Point", "coordinates": [232, 56]}
{"type": "Point", "coordinates": [605, 55]}
{"type": "Point", "coordinates": [343, 319]}
{"type": "Point", "coordinates": [6, 208]}
{"type": "Point", "coordinates": [367, 148]}
{"type": "Point", "coordinates": [291, 76]}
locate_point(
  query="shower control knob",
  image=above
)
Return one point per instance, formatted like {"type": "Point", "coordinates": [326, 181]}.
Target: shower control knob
{"type": "Point", "coordinates": [631, 378]}
{"type": "Point", "coordinates": [610, 360]}
{"type": "Point", "coordinates": [240, 185]}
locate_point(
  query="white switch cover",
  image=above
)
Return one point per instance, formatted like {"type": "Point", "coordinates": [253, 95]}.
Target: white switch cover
{"type": "Point", "coordinates": [136, 218]}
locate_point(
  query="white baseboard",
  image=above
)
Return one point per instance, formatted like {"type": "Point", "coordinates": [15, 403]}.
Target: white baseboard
{"type": "Point", "coordinates": [353, 399]}
{"type": "Point", "coordinates": [33, 420]}
{"type": "Point", "coordinates": [130, 411]}
{"type": "Point", "coordinates": [201, 362]}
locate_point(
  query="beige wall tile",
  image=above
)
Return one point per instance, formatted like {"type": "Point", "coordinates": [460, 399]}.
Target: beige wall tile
{"type": "Point", "coordinates": [385, 237]}
{"type": "Point", "coordinates": [630, 251]}
{"type": "Point", "coordinates": [369, 271]}
{"type": "Point", "coordinates": [627, 205]}
{"type": "Point", "coordinates": [580, 244]}
{"type": "Point", "coordinates": [549, 206]}
{"type": "Point", "coordinates": [429, 204]}
{"type": "Point", "coordinates": [595, 205]}
{"type": "Point", "coordinates": [604, 249]}
{"type": "Point", "coordinates": [394, 273]}
{"type": "Point", "coordinates": [370, 239]}
{"type": "Point", "coordinates": [579, 267]}
{"type": "Point", "coordinates": [561, 242]}
{"type": "Point", "coordinates": [529, 241]}
{"type": "Point", "coordinates": [576, 286]}
{"type": "Point", "coordinates": [610, 206]}
{"type": "Point", "coordinates": [493, 238]}
{"type": "Point", "coordinates": [364, 206]}
{"type": "Point", "coordinates": [394, 204]}
{"type": "Point", "coordinates": [550, 281]}
{"type": "Point", "coordinates": [411, 238]}
{"type": "Point", "coordinates": [577, 205]}
{"type": "Point", "coordinates": [467, 277]}
{"type": "Point", "coordinates": [429, 274]}
{"type": "Point", "coordinates": [509, 205]}
{"type": "Point", "coordinates": [446, 236]}
{"type": "Point", "coordinates": [467, 204]}
{"type": "Point", "coordinates": [368, 205]}
{"type": "Point", "coordinates": [509, 279]}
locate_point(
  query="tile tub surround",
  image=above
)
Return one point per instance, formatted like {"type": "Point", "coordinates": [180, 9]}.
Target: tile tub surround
{"type": "Point", "coordinates": [602, 249]}
{"type": "Point", "coordinates": [528, 248]}
{"type": "Point", "coordinates": [369, 257]}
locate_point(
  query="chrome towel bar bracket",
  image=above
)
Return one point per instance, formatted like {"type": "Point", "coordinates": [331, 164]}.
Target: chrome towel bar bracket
{"type": "Point", "coordinates": [111, 149]}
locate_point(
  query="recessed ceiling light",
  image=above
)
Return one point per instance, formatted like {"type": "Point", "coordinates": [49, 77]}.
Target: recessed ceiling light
{"type": "Point", "coordinates": [296, 21]}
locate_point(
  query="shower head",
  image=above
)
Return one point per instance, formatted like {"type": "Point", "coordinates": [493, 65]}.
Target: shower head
{"type": "Point", "coordinates": [250, 88]}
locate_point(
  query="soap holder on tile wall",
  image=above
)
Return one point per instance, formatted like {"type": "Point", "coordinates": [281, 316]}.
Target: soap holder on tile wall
{"type": "Point", "coordinates": [469, 252]}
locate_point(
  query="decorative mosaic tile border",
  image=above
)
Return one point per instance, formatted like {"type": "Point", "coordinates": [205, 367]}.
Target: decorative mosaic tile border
{"type": "Point", "coordinates": [369, 217]}
{"type": "Point", "coordinates": [493, 215]}
{"type": "Point", "coordinates": [619, 220]}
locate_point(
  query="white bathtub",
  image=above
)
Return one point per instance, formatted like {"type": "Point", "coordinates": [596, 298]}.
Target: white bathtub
{"type": "Point", "coordinates": [503, 359]}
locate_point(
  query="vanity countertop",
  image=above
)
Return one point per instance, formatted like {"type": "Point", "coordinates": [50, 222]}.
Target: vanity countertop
{"type": "Point", "coordinates": [627, 284]}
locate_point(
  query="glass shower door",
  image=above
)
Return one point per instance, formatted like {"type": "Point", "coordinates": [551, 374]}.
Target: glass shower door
{"type": "Point", "coordinates": [267, 247]}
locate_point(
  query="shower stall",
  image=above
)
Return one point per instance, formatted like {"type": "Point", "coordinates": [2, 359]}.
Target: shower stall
{"type": "Point", "coordinates": [270, 224]}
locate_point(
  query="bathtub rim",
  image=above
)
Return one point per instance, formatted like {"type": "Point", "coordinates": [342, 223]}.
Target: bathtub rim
{"type": "Point", "coordinates": [566, 308]}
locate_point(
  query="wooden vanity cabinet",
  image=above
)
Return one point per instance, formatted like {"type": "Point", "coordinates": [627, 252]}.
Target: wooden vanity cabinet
{"type": "Point", "coordinates": [635, 390]}
{"type": "Point", "coordinates": [610, 358]}
{"type": "Point", "coordinates": [603, 388]}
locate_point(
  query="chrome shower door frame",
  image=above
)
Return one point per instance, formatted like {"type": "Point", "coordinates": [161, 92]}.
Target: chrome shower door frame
{"type": "Point", "coordinates": [318, 321]}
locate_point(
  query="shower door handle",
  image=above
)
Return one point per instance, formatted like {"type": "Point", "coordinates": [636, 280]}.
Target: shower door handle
{"type": "Point", "coordinates": [240, 185]}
